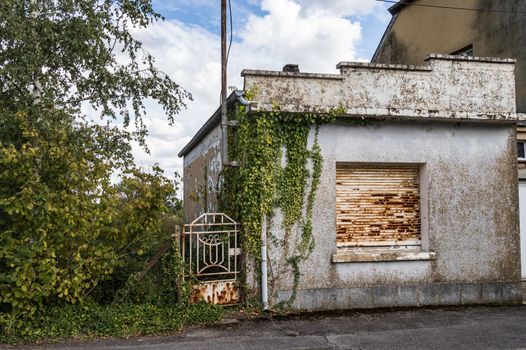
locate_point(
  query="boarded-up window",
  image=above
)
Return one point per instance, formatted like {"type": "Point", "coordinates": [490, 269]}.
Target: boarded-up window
{"type": "Point", "coordinates": [377, 205]}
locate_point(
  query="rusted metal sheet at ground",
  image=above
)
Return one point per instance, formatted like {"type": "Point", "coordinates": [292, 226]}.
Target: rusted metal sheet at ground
{"type": "Point", "coordinates": [216, 292]}
{"type": "Point", "coordinates": [377, 205]}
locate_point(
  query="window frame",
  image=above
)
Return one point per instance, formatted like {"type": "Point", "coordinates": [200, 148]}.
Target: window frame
{"type": "Point", "coordinates": [523, 142]}
{"type": "Point", "coordinates": [466, 51]}
{"type": "Point", "coordinates": [390, 253]}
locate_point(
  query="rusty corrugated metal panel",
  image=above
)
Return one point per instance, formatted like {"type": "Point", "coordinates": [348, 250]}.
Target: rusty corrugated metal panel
{"type": "Point", "coordinates": [377, 205]}
{"type": "Point", "coordinates": [216, 292]}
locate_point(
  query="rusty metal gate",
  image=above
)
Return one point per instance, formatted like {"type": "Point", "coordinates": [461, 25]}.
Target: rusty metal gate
{"type": "Point", "coordinates": [211, 250]}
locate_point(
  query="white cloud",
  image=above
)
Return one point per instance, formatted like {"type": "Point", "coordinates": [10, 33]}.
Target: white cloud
{"type": "Point", "coordinates": [341, 7]}
{"type": "Point", "coordinates": [317, 39]}
{"type": "Point", "coordinates": [189, 56]}
{"type": "Point", "coordinates": [314, 34]}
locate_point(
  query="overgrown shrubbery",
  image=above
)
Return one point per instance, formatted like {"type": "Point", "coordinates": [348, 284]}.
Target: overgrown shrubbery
{"type": "Point", "coordinates": [69, 233]}
{"type": "Point", "coordinates": [82, 255]}
{"type": "Point", "coordinates": [94, 320]}
{"type": "Point", "coordinates": [65, 226]}
{"type": "Point", "coordinates": [84, 234]}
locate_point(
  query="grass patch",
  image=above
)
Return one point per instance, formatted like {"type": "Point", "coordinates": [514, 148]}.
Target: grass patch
{"type": "Point", "coordinates": [92, 320]}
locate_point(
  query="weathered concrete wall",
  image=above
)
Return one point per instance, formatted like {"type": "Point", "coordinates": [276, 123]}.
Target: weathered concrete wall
{"type": "Point", "coordinates": [455, 118]}
{"type": "Point", "coordinates": [504, 35]}
{"type": "Point", "coordinates": [471, 225]}
{"type": "Point", "coordinates": [202, 166]}
{"type": "Point", "coordinates": [417, 31]}
{"type": "Point", "coordinates": [446, 88]}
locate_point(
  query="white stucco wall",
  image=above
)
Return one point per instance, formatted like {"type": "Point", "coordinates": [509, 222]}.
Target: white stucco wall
{"type": "Point", "coordinates": [455, 117]}
{"type": "Point", "coordinates": [472, 222]}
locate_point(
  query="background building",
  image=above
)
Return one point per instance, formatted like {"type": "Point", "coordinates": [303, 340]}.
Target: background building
{"type": "Point", "coordinates": [484, 28]}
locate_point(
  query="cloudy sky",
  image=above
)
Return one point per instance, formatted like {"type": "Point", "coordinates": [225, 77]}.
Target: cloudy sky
{"type": "Point", "coordinates": [316, 34]}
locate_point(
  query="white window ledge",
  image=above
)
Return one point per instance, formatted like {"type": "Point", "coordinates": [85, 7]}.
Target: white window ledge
{"type": "Point", "coordinates": [376, 255]}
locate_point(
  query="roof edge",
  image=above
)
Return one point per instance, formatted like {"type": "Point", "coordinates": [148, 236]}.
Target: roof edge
{"type": "Point", "coordinates": [346, 64]}
{"type": "Point", "coordinates": [436, 56]}
{"type": "Point", "coordinates": [211, 123]}
{"type": "Point", "coordinates": [399, 6]}
{"type": "Point", "coordinates": [401, 114]}
{"type": "Point", "coordinates": [271, 73]}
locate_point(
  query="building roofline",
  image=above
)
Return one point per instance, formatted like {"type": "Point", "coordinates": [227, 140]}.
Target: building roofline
{"type": "Point", "coordinates": [345, 64]}
{"type": "Point", "coordinates": [428, 67]}
{"type": "Point", "coordinates": [399, 6]}
{"type": "Point", "coordinates": [436, 56]}
{"type": "Point", "coordinates": [211, 123]}
{"type": "Point", "coordinates": [271, 73]}
{"type": "Point", "coordinates": [394, 10]}
{"type": "Point", "coordinates": [384, 37]}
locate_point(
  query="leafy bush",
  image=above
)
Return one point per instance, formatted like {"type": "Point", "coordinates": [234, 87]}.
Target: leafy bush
{"type": "Point", "coordinates": [64, 225]}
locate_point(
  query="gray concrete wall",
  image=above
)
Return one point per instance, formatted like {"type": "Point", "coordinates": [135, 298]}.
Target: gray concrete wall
{"type": "Point", "coordinates": [201, 169]}
{"type": "Point", "coordinates": [446, 88]}
{"type": "Point", "coordinates": [471, 224]}
{"type": "Point", "coordinates": [418, 31]}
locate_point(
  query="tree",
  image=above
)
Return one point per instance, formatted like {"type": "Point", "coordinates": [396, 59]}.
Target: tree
{"type": "Point", "coordinates": [59, 54]}
{"type": "Point", "coordinates": [64, 224]}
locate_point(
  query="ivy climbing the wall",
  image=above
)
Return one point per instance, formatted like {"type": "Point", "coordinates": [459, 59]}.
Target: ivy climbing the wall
{"type": "Point", "coordinates": [264, 182]}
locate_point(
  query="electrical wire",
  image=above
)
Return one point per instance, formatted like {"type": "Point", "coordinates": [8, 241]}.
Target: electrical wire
{"type": "Point", "coordinates": [450, 7]}
{"type": "Point", "coordinates": [231, 31]}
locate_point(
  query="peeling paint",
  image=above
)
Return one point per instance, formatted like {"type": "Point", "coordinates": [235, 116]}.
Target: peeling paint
{"type": "Point", "coordinates": [486, 88]}
{"type": "Point", "coordinates": [381, 255]}
{"type": "Point", "coordinates": [202, 167]}
{"type": "Point", "coordinates": [216, 292]}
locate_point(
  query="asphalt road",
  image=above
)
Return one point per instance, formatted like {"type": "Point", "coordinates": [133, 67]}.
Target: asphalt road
{"type": "Point", "coordinates": [459, 328]}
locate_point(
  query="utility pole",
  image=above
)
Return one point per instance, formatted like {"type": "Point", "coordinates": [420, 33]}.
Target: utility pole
{"type": "Point", "coordinates": [224, 122]}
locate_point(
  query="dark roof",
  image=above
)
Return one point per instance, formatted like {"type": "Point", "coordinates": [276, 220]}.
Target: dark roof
{"type": "Point", "coordinates": [399, 6]}
{"type": "Point", "coordinates": [212, 122]}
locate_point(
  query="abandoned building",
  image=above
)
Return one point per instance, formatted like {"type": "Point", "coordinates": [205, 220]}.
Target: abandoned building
{"type": "Point", "coordinates": [417, 203]}
{"type": "Point", "coordinates": [496, 29]}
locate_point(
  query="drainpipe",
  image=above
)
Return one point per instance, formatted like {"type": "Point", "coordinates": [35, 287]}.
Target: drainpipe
{"type": "Point", "coordinates": [264, 283]}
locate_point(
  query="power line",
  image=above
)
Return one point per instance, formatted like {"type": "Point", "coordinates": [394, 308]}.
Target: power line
{"type": "Point", "coordinates": [450, 7]}
{"type": "Point", "coordinates": [231, 30]}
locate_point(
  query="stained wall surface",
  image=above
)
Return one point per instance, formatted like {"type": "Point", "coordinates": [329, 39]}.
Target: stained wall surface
{"type": "Point", "coordinates": [202, 166]}
{"type": "Point", "coordinates": [452, 117]}
{"type": "Point", "coordinates": [445, 87]}
{"type": "Point", "coordinates": [471, 223]}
